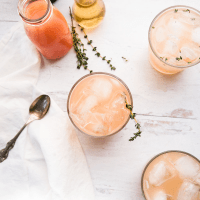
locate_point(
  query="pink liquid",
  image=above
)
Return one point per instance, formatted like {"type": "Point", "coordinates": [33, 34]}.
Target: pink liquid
{"type": "Point", "coordinates": [175, 38]}
{"type": "Point", "coordinates": [52, 37]}
{"type": "Point", "coordinates": [97, 105]}
{"type": "Point", "coordinates": [182, 174]}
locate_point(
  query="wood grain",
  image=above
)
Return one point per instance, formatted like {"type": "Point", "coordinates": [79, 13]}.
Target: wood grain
{"type": "Point", "coordinates": [168, 107]}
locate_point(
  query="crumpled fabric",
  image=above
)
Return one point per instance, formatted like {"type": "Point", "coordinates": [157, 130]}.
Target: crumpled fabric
{"type": "Point", "coordinates": [47, 161]}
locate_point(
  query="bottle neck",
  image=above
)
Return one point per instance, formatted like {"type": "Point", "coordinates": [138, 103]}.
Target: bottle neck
{"type": "Point", "coordinates": [34, 12]}
{"type": "Point", "coordinates": [85, 2]}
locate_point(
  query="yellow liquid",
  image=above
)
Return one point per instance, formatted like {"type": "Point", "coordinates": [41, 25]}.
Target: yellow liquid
{"type": "Point", "coordinates": [89, 13]}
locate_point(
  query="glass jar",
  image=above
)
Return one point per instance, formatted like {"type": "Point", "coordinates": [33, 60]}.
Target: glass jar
{"type": "Point", "coordinates": [46, 27]}
{"type": "Point", "coordinates": [89, 13]}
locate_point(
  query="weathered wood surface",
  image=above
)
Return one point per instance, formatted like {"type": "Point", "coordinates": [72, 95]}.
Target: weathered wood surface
{"type": "Point", "coordinates": [168, 107]}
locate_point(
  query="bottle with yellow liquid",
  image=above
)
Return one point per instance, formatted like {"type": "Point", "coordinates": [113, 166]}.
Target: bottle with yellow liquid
{"type": "Point", "coordinates": [88, 13]}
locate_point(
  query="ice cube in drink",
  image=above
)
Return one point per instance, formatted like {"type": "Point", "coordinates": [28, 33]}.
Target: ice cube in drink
{"type": "Point", "coordinates": [172, 175]}
{"type": "Point", "coordinates": [188, 191]}
{"type": "Point", "coordinates": [187, 167]}
{"type": "Point", "coordinates": [161, 172]}
{"type": "Point", "coordinates": [160, 196]}
{"type": "Point", "coordinates": [96, 104]}
{"type": "Point", "coordinates": [174, 39]}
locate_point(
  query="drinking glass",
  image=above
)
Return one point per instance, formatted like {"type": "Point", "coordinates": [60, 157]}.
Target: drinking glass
{"type": "Point", "coordinates": [174, 39]}
{"type": "Point", "coordinates": [171, 174]}
{"type": "Point", "coordinates": [96, 104]}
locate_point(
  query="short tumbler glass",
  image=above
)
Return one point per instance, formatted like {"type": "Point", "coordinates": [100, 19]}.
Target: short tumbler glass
{"type": "Point", "coordinates": [174, 39]}
{"type": "Point", "coordinates": [96, 104]}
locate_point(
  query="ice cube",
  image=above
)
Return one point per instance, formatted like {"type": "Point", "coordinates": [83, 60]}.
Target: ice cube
{"type": "Point", "coordinates": [118, 101]}
{"type": "Point", "coordinates": [188, 54]}
{"type": "Point", "coordinates": [170, 47]}
{"type": "Point", "coordinates": [161, 34]}
{"type": "Point", "coordinates": [160, 196]}
{"type": "Point", "coordinates": [196, 35]}
{"type": "Point", "coordinates": [176, 27]}
{"type": "Point", "coordinates": [100, 128]}
{"type": "Point", "coordinates": [101, 87]}
{"type": "Point", "coordinates": [197, 179]}
{"type": "Point", "coordinates": [187, 167]}
{"type": "Point", "coordinates": [161, 173]}
{"type": "Point", "coordinates": [189, 18]}
{"type": "Point", "coordinates": [188, 191]}
{"type": "Point", "coordinates": [115, 82]}
{"type": "Point", "coordinates": [90, 102]}
{"type": "Point", "coordinates": [146, 184]}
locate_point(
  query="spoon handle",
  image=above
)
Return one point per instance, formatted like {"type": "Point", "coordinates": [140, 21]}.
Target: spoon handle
{"type": "Point", "coordinates": [4, 152]}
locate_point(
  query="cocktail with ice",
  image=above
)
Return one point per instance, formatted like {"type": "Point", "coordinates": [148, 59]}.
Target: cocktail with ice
{"type": "Point", "coordinates": [174, 39]}
{"type": "Point", "coordinates": [96, 104]}
{"type": "Point", "coordinates": [172, 175]}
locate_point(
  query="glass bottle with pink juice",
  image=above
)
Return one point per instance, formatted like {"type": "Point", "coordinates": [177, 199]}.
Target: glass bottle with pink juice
{"type": "Point", "coordinates": [46, 27]}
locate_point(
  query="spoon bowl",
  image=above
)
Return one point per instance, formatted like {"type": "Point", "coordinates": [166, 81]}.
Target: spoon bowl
{"type": "Point", "coordinates": [40, 106]}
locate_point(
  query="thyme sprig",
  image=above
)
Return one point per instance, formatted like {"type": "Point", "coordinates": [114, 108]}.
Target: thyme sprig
{"type": "Point", "coordinates": [179, 58]}
{"type": "Point", "coordinates": [186, 10]}
{"type": "Point", "coordinates": [163, 58]}
{"type": "Point", "coordinates": [95, 49]}
{"type": "Point", "coordinates": [79, 47]}
{"type": "Point", "coordinates": [124, 59]}
{"type": "Point", "coordinates": [132, 116]}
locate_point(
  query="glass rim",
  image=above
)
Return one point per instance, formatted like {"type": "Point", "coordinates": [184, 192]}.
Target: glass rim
{"type": "Point", "coordinates": [149, 34]}
{"type": "Point", "coordinates": [92, 74]}
{"type": "Point", "coordinates": [156, 156]}
{"type": "Point", "coordinates": [34, 21]}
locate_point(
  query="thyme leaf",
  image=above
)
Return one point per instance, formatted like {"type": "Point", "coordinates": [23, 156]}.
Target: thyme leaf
{"type": "Point", "coordinates": [179, 58]}
{"type": "Point", "coordinates": [78, 46]}
{"type": "Point", "coordinates": [186, 10]}
{"type": "Point", "coordinates": [95, 49]}
{"type": "Point", "coordinates": [132, 116]}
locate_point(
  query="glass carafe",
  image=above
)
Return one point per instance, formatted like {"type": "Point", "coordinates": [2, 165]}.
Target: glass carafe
{"type": "Point", "coordinates": [46, 27]}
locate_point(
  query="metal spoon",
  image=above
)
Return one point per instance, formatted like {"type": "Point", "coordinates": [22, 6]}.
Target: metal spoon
{"type": "Point", "coordinates": [37, 111]}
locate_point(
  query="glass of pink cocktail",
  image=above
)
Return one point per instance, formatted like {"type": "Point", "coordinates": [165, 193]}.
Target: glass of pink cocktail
{"type": "Point", "coordinates": [172, 175]}
{"type": "Point", "coordinates": [174, 39]}
{"type": "Point", "coordinates": [96, 104]}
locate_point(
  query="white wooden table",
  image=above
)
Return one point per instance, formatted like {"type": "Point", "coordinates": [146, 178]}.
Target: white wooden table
{"type": "Point", "coordinates": [168, 107]}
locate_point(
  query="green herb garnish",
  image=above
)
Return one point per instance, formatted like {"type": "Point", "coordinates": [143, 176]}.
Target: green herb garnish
{"type": "Point", "coordinates": [132, 116]}
{"type": "Point", "coordinates": [124, 59]}
{"type": "Point", "coordinates": [179, 58]}
{"type": "Point", "coordinates": [95, 49]}
{"type": "Point", "coordinates": [176, 10]}
{"type": "Point", "coordinates": [186, 10]}
{"type": "Point", "coordinates": [164, 58]}
{"type": "Point", "coordinates": [153, 27]}
{"type": "Point", "coordinates": [79, 47]}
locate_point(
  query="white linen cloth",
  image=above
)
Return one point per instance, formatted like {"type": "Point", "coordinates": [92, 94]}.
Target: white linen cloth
{"type": "Point", "coordinates": [47, 161]}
